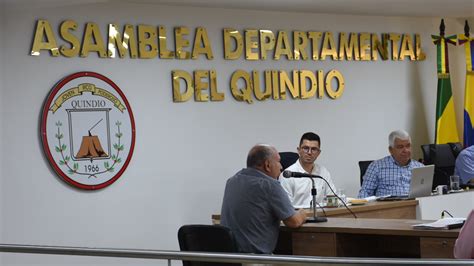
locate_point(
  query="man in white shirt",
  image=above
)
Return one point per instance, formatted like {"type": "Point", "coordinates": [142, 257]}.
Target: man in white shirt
{"type": "Point", "coordinates": [299, 189]}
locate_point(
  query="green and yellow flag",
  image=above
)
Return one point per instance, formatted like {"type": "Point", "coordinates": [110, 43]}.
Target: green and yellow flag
{"type": "Point", "coordinates": [446, 128]}
{"type": "Point", "coordinates": [468, 43]}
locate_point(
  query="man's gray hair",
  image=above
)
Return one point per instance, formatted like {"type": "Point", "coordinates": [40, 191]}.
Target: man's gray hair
{"type": "Point", "coordinates": [259, 154]}
{"type": "Point", "coordinates": [398, 134]}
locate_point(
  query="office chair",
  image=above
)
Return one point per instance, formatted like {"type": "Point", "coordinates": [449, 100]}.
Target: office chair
{"type": "Point", "coordinates": [288, 158]}
{"type": "Point", "coordinates": [363, 165]}
{"type": "Point", "coordinates": [443, 156]}
{"type": "Point", "coordinates": [456, 147]}
{"type": "Point", "coordinates": [210, 238]}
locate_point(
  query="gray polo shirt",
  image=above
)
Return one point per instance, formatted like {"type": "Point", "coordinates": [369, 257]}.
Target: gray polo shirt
{"type": "Point", "coordinates": [253, 206]}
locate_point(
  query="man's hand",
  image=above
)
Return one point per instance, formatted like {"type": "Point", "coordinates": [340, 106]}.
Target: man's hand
{"type": "Point", "coordinates": [296, 220]}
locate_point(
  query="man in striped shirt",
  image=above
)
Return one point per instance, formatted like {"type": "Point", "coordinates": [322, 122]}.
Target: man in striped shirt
{"type": "Point", "coordinates": [391, 175]}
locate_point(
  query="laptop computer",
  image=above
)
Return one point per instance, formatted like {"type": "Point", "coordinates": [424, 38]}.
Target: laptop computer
{"type": "Point", "coordinates": [420, 184]}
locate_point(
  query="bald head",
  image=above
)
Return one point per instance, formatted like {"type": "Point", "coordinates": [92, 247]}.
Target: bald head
{"type": "Point", "coordinates": [258, 154]}
{"type": "Point", "coordinates": [265, 158]}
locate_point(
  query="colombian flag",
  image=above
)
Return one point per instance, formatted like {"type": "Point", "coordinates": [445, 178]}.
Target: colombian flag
{"type": "Point", "coordinates": [446, 128]}
{"type": "Point", "coordinates": [469, 90]}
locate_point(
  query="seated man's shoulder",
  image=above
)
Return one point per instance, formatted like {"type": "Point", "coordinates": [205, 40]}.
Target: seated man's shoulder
{"type": "Point", "coordinates": [381, 161]}
{"type": "Point", "coordinates": [417, 163]}
{"type": "Point", "coordinates": [470, 149]}
{"type": "Point", "coordinates": [467, 153]}
{"type": "Point", "coordinates": [323, 171]}
{"type": "Point", "coordinates": [295, 166]}
{"type": "Point", "coordinates": [321, 167]}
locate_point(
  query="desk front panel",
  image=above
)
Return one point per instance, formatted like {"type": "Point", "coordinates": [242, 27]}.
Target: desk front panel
{"type": "Point", "coordinates": [437, 247]}
{"type": "Point", "coordinates": [388, 238]}
{"type": "Point", "coordinates": [355, 245]}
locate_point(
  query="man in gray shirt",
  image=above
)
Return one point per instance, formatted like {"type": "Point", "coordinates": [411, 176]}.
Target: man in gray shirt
{"type": "Point", "coordinates": [255, 203]}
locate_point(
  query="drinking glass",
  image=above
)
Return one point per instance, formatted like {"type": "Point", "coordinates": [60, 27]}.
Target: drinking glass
{"type": "Point", "coordinates": [454, 182]}
{"type": "Point", "coordinates": [342, 195]}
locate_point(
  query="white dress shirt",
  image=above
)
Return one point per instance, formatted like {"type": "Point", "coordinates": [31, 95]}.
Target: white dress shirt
{"type": "Point", "coordinates": [299, 189]}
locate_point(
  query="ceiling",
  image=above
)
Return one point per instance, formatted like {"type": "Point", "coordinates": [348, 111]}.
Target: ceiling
{"type": "Point", "coordinates": [411, 8]}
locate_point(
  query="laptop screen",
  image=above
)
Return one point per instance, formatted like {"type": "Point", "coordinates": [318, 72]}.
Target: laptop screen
{"type": "Point", "coordinates": [421, 181]}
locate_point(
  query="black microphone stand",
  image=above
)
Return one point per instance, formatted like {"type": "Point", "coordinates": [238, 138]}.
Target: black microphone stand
{"type": "Point", "coordinates": [315, 218]}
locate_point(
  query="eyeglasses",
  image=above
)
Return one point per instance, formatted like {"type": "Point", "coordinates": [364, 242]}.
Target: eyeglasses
{"type": "Point", "coordinates": [310, 149]}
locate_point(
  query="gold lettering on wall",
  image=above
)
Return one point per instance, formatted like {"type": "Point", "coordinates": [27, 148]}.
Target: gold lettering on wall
{"type": "Point", "coordinates": [303, 84]}
{"type": "Point", "coordinates": [336, 76]}
{"type": "Point", "coordinates": [260, 94]}
{"type": "Point", "coordinates": [44, 39]}
{"type": "Point", "coordinates": [329, 47]}
{"type": "Point", "coordinates": [163, 44]}
{"type": "Point", "coordinates": [147, 45]}
{"type": "Point", "coordinates": [71, 39]}
{"type": "Point", "coordinates": [251, 45]}
{"type": "Point", "coordinates": [122, 42]}
{"type": "Point", "coordinates": [216, 96]}
{"type": "Point", "coordinates": [307, 78]}
{"type": "Point", "coordinates": [202, 45]}
{"type": "Point", "coordinates": [179, 77]}
{"type": "Point", "coordinates": [300, 40]}
{"type": "Point", "coordinates": [199, 82]}
{"type": "Point", "coordinates": [292, 86]}
{"type": "Point", "coordinates": [180, 34]}
{"type": "Point", "coordinates": [406, 48]}
{"type": "Point", "coordinates": [348, 46]}
{"type": "Point", "coordinates": [93, 41]}
{"type": "Point", "coordinates": [232, 38]}
{"type": "Point", "coordinates": [200, 85]}
{"type": "Point", "coordinates": [365, 50]}
{"type": "Point", "coordinates": [283, 46]}
{"type": "Point", "coordinates": [241, 93]}
{"type": "Point", "coordinates": [394, 39]}
{"type": "Point", "coordinates": [420, 55]}
{"type": "Point", "coordinates": [146, 42]}
{"type": "Point", "coordinates": [74, 44]}
{"type": "Point", "coordinates": [267, 39]}
{"type": "Point", "coordinates": [380, 47]}
{"type": "Point", "coordinates": [315, 38]}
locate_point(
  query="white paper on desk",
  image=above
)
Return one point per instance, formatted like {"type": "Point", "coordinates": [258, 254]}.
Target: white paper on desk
{"type": "Point", "coordinates": [440, 224]}
{"type": "Point", "coordinates": [301, 206]}
{"type": "Point", "coordinates": [371, 198]}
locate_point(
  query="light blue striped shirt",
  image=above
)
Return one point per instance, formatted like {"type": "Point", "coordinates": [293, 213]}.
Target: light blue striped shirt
{"type": "Point", "coordinates": [465, 164]}
{"type": "Point", "coordinates": [387, 177]}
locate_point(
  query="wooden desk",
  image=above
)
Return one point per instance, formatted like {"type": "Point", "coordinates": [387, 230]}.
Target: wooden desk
{"type": "Point", "coordinates": [378, 209]}
{"type": "Point", "coordinates": [348, 237]}
{"type": "Point", "coordinates": [389, 209]}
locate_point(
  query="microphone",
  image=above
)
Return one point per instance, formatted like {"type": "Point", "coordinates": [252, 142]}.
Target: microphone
{"type": "Point", "coordinates": [288, 174]}
{"type": "Point", "coordinates": [315, 219]}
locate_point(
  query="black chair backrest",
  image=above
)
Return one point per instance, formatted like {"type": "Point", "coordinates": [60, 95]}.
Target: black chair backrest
{"type": "Point", "coordinates": [456, 148]}
{"type": "Point", "coordinates": [363, 165]}
{"type": "Point", "coordinates": [443, 156]}
{"type": "Point", "coordinates": [210, 238]}
{"type": "Point", "coordinates": [288, 158]}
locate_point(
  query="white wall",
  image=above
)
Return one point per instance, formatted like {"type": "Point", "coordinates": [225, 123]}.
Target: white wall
{"type": "Point", "coordinates": [185, 152]}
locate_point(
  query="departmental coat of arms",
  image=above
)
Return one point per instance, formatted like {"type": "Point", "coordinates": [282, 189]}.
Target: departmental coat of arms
{"type": "Point", "coordinates": [88, 130]}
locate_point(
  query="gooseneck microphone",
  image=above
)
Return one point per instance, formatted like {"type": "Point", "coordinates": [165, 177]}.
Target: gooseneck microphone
{"type": "Point", "coordinates": [315, 218]}
{"type": "Point", "coordinates": [289, 174]}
